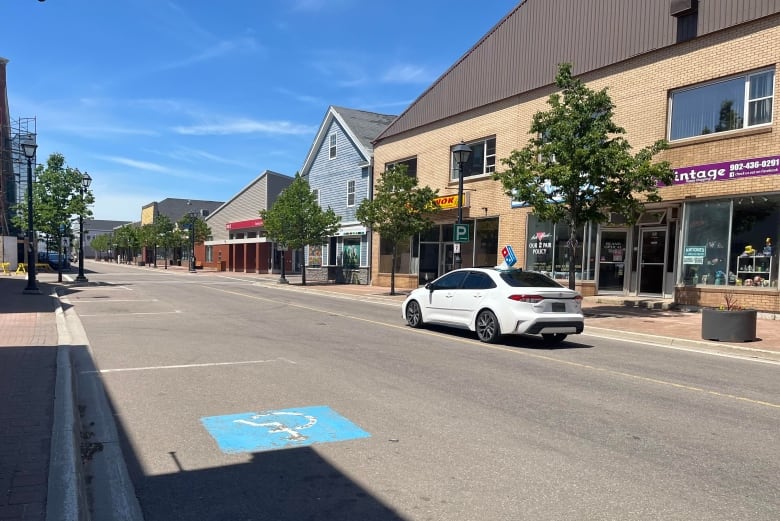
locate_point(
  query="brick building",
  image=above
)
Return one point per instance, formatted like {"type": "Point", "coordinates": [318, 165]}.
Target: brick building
{"type": "Point", "coordinates": [701, 75]}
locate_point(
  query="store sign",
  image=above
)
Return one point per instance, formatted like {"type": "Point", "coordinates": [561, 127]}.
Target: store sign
{"type": "Point", "coordinates": [240, 225]}
{"type": "Point", "coordinates": [694, 254]}
{"type": "Point", "coordinates": [447, 202]}
{"type": "Point", "coordinates": [739, 169]}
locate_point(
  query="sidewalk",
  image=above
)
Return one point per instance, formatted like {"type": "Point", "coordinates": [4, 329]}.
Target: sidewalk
{"type": "Point", "coordinates": [29, 365]}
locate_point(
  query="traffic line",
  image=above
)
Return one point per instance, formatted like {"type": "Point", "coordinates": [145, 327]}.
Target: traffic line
{"type": "Point", "coordinates": [513, 351]}
{"type": "Point", "coordinates": [124, 314]}
{"type": "Point", "coordinates": [186, 366]}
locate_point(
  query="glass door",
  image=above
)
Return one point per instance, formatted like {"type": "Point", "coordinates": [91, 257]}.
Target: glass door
{"type": "Point", "coordinates": [447, 258]}
{"type": "Point", "coordinates": [652, 260]}
{"type": "Point", "coordinates": [612, 260]}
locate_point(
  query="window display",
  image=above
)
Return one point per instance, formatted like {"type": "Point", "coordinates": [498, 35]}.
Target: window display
{"type": "Point", "coordinates": [730, 242]}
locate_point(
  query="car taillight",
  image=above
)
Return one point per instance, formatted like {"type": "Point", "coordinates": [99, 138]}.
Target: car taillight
{"type": "Point", "coordinates": [530, 299]}
{"type": "Point", "coordinates": [578, 297]}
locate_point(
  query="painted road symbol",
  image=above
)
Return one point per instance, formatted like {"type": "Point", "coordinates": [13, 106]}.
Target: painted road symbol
{"type": "Point", "coordinates": [280, 429]}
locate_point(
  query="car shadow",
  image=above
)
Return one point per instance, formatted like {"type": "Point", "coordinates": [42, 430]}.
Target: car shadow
{"type": "Point", "coordinates": [515, 341]}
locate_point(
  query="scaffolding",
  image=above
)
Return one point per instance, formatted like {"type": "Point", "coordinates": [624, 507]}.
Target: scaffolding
{"type": "Point", "coordinates": [13, 170]}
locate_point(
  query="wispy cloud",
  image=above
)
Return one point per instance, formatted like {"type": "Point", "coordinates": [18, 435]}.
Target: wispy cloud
{"type": "Point", "coordinates": [134, 163]}
{"type": "Point", "coordinates": [407, 73]}
{"type": "Point", "coordinates": [245, 126]}
{"type": "Point", "coordinates": [246, 45]}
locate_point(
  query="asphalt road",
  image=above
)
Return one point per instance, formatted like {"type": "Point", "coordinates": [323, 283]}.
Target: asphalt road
{"type": "Point", "coordinates": [440, 426]}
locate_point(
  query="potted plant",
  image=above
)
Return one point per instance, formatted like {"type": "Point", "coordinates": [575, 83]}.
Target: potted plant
{"type": "Point", "coordinates": [729, 322]}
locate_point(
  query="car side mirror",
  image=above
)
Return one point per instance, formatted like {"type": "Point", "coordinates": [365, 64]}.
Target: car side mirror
{"type": "Point", "coordinates": [429, 286]}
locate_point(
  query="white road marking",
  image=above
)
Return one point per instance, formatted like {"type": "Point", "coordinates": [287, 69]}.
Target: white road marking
{"type": "Point", "coordinates": [177, 312]}
{"type": "Point", "coordinates": [98, 301]}
{"type": "Point", "coordinates": [185, 366]}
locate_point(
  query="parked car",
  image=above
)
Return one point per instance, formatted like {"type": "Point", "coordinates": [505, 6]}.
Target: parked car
{"type": "Point", "coordinates": [494, 302]}
{"type": "Point", "coordinates": [53, 258]}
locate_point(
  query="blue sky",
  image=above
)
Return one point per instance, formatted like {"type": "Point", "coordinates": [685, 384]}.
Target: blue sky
{"type": "Point", "coordinates": [194, 99]}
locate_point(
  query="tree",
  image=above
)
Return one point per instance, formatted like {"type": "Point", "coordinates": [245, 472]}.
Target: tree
{"type": "Point", "coordinates": [186, 223]}
{"type": "Point", "coordinates": [165, 234]}
{"type": "Point", "coordinates": [126, 240]}
{"type": "Point", "coordinates": [56, 200]}
{"type": "Point", "coordinates": [100, 243]}
{"type": "Point", "coordinates": [577, 167]}
{"type": "Point", "coordinates": [296, 219]}
{"type": "Point", "coordinates": [398, 210]}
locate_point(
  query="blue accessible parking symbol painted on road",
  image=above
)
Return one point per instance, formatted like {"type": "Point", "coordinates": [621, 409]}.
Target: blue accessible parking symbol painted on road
{"type": "Point", "coordinates": [280, 429]}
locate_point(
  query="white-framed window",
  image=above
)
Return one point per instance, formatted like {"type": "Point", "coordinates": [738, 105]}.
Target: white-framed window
{"type": "Point", "coordinates": [316, 193]}
{"type": "Point", "coordinates": [481, 162]}
{"type": "Point", "coordinates": [350, 193]}
{"type": "Point", "coordinates": [732, 103]}
{"type": "Point", "coordinates": [332, 147]}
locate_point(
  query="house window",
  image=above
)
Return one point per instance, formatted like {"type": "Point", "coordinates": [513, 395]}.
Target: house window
{"type": "Point", "coordinates": [316, 193]}
{"type": "Point", "coordinates": [481, 162]}
{"type": "Point", "coordinates": [332, 148]}
{"type": "Point", "coordinates": [410, 164]}
{"type": "Point", "coordinates": [728, 104]}
{"type": "Point", "coordinates": [350, 193]}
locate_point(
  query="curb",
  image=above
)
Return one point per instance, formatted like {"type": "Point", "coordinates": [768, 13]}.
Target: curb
{"type": "Point", "coordinates": [112, 493]}
{"type": "Point", "coordinates": [66, 498]}
{"type": "Point", "coordinates": [699, 345]}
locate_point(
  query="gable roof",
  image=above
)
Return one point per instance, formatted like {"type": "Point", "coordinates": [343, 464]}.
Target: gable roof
{"type": "Point", "coordinates": [360, 126]}
{"type": "Point", "coordinates": [175, 209]}
{"type": "Point", "coordinates": [522, 51]}
{"type": "Point", "coordinates": [265, 175]}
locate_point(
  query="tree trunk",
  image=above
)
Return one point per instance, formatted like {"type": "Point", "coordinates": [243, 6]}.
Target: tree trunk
{"type": "Point", "coordinates": [303, 275]}
{"type": "Point", "coordinates": [392, 272]}
{"type": "Point", "coordinates": [572, 255]}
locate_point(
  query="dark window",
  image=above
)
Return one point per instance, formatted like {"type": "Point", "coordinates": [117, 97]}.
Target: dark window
{"type": "Point", "coordinates": [451, 280]}
{"type": "Point", "coordinates": [478, 280]}
{"type": "Point", "coordinates": [410, 164]}
{"type": "Point", "coordinates": [528, 279]}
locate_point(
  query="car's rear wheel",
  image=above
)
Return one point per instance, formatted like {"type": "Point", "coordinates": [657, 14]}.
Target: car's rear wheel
{"type": "Point", "coordinates": [552, 339]}
{"type": "Point", "coordinates": [414, 314]}
{"type": "Point", "coordinates": [487, 327]}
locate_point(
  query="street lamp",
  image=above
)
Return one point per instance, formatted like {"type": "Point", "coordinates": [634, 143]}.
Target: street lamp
{"type": "Point", "coordinates": [461, 153]}
{"type": "Point", "coordinates": [85, 182]}
{"type": "Point", "coordinates": [192, 216]}
{"type": "Point", "coordinates": [282, 248]}
{"type": "Point", "coordinates": [29, 148]}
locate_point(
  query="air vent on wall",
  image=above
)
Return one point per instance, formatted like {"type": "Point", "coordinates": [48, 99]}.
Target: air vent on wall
{"type": "Point", "coordinates": [683, 7]}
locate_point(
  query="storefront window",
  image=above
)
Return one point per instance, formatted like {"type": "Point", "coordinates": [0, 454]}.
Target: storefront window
{"type": "Point", "coordinates": [486, 242]}
{"type": "Point", "coordinates": [403, 258]}
{"type": "Point", "coordinates": [731, 242]}
{"type": "Point", "coordinates": [548, 251]}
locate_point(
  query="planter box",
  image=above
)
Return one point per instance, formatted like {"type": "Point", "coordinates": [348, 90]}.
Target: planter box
{"type": "Point", "coordinates": [728, 326]}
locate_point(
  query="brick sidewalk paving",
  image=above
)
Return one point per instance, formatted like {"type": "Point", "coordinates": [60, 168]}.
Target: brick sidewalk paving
{"type": "Point", "coordinates": [28, 364]}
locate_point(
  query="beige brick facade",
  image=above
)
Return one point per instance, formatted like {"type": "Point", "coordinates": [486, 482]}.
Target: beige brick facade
{"type": "Point", "coordinates": [640, 90]}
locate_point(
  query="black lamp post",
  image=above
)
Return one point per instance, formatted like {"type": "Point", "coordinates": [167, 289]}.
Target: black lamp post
{"type": "Point", "coordinates": [461, 153]}
{"type": "Point", "coordinates": [85, 181]}
{"type": "Point", "coordinates": [193, 216]}
{"type": "Point", "coordinates": [32, 287]}
{"type": "Point", "coordinates": [282, 249]}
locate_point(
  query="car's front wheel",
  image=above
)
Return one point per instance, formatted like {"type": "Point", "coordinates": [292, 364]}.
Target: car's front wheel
{"type": "Point", "coordinates": [414, 314]}
{"type": "Point", "coordinates": [487, 327]}
{"type": "Point", "coordinates": [552, 339]}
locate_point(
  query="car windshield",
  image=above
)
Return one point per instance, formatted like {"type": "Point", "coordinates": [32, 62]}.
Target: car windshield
{"type": "Point", "coordinates": [528, 279]}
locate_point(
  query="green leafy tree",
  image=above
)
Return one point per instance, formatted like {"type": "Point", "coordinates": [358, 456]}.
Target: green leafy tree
{"type": "Point", "coordinates": [399, 210]}
{"type": "Point", "coordinates": [182, 238]}
{"type": "Point", "coordinates": [126, 241]}
{"type": "Point", "coordinates": [296, 219]}
{"type": "Point", "coordinates": [56, 200]}
{"type": "Point", "coordinates": [578, 166]}
{"type": "Point", "coordinates": [100, 243]}
{"type": "Point", "coordinates": [166, 235]}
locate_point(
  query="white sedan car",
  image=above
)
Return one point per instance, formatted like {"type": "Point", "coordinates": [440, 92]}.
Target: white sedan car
{"type": "Point", "coordinates": [495, 302]}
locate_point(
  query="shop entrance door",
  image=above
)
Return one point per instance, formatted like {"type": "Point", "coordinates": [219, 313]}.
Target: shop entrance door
{"type": "Point", "coordinates": [429, 262]}
{"type": "Point", "coordinates": [652, 260]}
{"type": "Point", "coordinates": [612, 260]}
{"type": "Point", "coordinates": [446, 263]}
